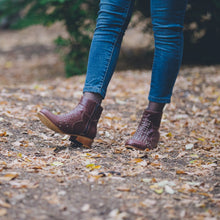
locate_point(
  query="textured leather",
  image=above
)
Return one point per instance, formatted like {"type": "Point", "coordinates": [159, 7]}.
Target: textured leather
{"type": "Point", "coordinates": [82, 120]}
{"type": "Point", "coordinates": [147, 134]}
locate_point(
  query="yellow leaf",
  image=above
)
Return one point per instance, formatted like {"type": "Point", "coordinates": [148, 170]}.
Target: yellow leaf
{"type": "Point", "coordinates": [57, 163]}
{"type": "Point", "coordinates": [136, 160]}
{"type": "Point", "coordinates": [156, 189]}
{"type": "Point", "coordinates": [93, 166]}
{"type": "Point", "coordinates": [8, 64]}
{"type": "Point", "coordinates": [169, 134]}
{"type": "Point", "coordinates": [193, 161]}
{"type": "Point", "coordinates": [159, 191]}
{"type": "Point", "coordinates": [201, 139]}
{"type": "Point", "coordinates": [19, 154]}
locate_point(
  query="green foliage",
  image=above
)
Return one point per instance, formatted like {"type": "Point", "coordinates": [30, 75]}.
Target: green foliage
{"type": "Point", "coordinates": [202, 22]}
{"type": "Point", "coordinates": [202, 30]}
{"type": "Point", "coordinates": [79, 18]}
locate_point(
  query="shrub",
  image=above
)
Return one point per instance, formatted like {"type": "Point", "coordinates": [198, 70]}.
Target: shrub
{"type": "Point", "coordinates": [202, 30]}
{"type": "Point", "coordinates": [79, 19]}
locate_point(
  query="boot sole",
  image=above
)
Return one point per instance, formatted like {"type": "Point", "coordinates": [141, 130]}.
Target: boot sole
{"type": "Point", "coordinates": [136, 148]}
{"type": "Point", "coordinates": [86, 142]}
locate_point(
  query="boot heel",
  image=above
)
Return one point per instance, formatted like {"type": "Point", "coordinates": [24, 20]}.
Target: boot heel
{"type": "Point", "coordinates": [79, 141]}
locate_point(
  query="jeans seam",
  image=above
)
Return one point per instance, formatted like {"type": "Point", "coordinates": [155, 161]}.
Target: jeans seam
{"type": "Point", "coordinates": [129, 7]}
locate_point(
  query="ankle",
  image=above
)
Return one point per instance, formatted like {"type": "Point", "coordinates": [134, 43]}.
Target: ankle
{"type": "Point", "coordinates": [93, 96]}
{"type": "Point", "coordinates": [156, 107]}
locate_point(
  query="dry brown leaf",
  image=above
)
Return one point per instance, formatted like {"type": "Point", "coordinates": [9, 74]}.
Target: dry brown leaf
{"type": "Point", "coordinates": [180, 172]}
{"type": "Point", "coordinates": [124, 188]}
{"type": "Point", "coordinates": [3, 212]}
{"type": "Point", "coordinates": [9, 176]}
{"type": "Point", "coordinates": [155, 164]}
{"type": "Point", "coordinates": [23, 184]}
{"type": "Point", "coordinates": [4, 204]}
{"type": "Point", "coordinates": [136, 160]}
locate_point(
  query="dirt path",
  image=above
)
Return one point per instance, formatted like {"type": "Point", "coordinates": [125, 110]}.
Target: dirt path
{"type": "Point", "coordinates": [43, 177]}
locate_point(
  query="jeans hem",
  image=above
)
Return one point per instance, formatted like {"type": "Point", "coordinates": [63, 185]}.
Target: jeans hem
{"type": "Point", "coordinates": [159, 100]}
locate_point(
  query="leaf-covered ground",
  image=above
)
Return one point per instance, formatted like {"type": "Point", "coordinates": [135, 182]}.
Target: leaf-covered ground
{"type": "Point", "coordinates": [43, 177]}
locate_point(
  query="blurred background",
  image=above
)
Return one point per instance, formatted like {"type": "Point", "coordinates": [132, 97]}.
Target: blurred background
{"type": "Point", "coordinates": [51, 38]}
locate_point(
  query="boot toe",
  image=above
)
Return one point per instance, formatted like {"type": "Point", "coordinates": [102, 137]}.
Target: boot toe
{"type": "Point", "coordinates": [135, 144]}
{"type": "Point", "coordinates": [49, 119]}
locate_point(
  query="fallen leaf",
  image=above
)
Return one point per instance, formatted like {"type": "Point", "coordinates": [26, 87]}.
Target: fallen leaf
{"type": "Point", "coordinates": [93, 166]}
{"type": "Point", "coordinates": [3, 212]}
{"type": "Point", "coordinates": [146, 180]}
{"type": "Point", "coordinates": [136, 160]}
{"type": "Point", "coordinates": [23, 184]}
{"type": "Point", "coordinates": [169, 190]}
{"type": "Point", "coordinates": [124, 189]}
{"type": "Point", "coordinates": [3, 134]}
{"type": "Point", "coordinates": [19, 155]}
{"type": "Point", "coordinates": [180, 172]}
{"type": "Point", "coordinates": [133, 117]}
{"type": "Point", "coordinates": [155, 164]}
{"type": "Point", "coordinates": [148, 203]}
{"type": "Point", "coordinates": [85, 207]}
{"type": "Point", "coordinates": [9, 176]}
{"type": "Point", "coordinates": [169, 134]}
{"type": "Point", "coordinates": [201, 139]}
{"type": "Point", "coordinates": [4, 204]}
{"type": "Point", "coordinates": [164, 183]}
{"type": "Point", "coordinates": [189, 146]}
{"type": "Point", "coordinates": [56, 163]}
{"type": "Point", "coordinates": [159, 191]}
{"type": "Point", "coordinates": [194, 155]}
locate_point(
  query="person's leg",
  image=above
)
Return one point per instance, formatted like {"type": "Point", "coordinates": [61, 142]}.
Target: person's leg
{"type": "Point", "coordinates": [167, 19]}
{"type": "Point", "coordinates": [81, 123]}
{"type": "Point", "coordinates": [114, 16]}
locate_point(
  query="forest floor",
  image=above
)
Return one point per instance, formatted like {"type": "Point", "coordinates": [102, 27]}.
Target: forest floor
{"type": "Point", "coordinates": [43, 177]}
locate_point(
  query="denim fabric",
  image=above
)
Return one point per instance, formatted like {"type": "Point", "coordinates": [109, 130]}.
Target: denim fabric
{"type": "Point", "coordinates": [113, 18]}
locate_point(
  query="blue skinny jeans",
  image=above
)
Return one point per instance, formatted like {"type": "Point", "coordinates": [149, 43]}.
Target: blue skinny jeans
{"type": "Point", "coordinates": [113, 18]}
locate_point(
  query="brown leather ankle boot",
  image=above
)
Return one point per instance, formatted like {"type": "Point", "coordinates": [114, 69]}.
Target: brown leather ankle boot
{"type": "Point", "coordinates": [147, 134]}
{"type": "Point", "coordinates": [80, 123]}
